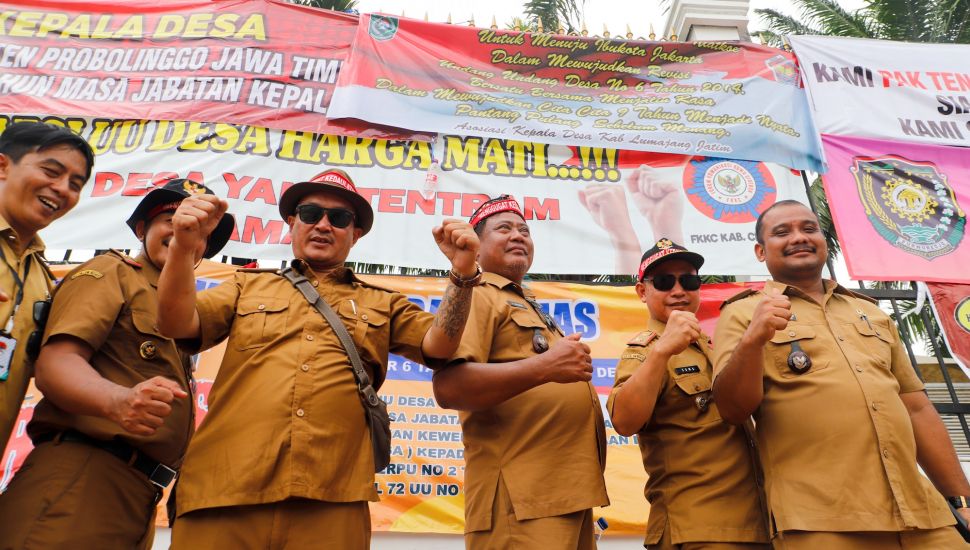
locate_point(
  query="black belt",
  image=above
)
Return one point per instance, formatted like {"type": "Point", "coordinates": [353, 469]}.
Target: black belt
{"type": "Point", "coordinates": [158, 474]}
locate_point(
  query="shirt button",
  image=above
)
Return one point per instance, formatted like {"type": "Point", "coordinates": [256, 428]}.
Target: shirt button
{"type": "Point", "coordinates": [364, 317]}
{"type": "Point", "coordinates": [841, 339]}
{"type": "Point", "coordinates": [309, 337]}
{"type": "Point", "coordinates": [791, 333]}
{"type": "Point", "coordinates": [885, 453]}
{"type": "Point", "coordinates": [315, 283]}
{"type": "Point", "coordinates": [697, 387]}
{"type": "Point", "coordinates": [261, 307]}
{"type": "Point", "coordinates": [875, 407]}
{"type": "Point", "coordinates": [304, 367]}
{"type": "Point", "coordinates": [858, 368]}
{"type": "Point", "coordinates": [300, 413]}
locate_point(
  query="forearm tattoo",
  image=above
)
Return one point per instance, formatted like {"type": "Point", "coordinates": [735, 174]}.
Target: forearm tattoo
{"type": "Point", "coordinates": [453, 310]}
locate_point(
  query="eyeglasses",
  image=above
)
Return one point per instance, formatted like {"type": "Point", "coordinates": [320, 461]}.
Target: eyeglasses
{"type": "Point", "coordinates": [42, 309]}
{"type": "Point", "coordinates": [313, 213]}
{"type": "Point", "coordinates": [665, 282]}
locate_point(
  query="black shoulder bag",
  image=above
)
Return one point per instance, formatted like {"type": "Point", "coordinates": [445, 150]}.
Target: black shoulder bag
{"type": "Point", "coordinates": [375, 410]}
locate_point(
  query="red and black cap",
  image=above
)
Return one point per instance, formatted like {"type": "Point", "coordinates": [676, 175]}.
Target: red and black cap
{"type": "Point", "coordinates": [333, 181]}
{"type": "Point", "coordinates": [665, 250]}
{"type": "Point", "coordinates": [502, 203]}
{"type": "Point", "coordinates": [168, 197]}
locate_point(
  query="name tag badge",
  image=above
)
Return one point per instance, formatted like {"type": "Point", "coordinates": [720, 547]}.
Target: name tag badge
{"type": "Point", "coordinates": [7, 347]}
{"type": "Point", "coordinates": [693, 369]}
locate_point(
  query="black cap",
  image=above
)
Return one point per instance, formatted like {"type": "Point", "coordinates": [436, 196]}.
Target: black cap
{"type": "Point", "coordinates": [168, 197]}
{"type": "Point", "coordinates": [665, 250]}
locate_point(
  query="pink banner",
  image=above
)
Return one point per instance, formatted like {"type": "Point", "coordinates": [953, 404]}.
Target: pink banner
{"type": "Point", "coordinates": [899, 208]}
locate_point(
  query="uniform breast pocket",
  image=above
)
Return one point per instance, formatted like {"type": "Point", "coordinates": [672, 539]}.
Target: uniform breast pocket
{"type": "Point", "coordinates": [792, 339]}
{"type": "Point", "coordinates": [150, 343]}
{"type": "Point", "coordinates": [362, 322]}
{"type": "Point", "coordinates": [873, 337]}
{"type": "Point", "coordinates": [258, 320]}
{"type": "Point", "coordinates": [527, 322]}
{"type": "Point", "coordinates": [696, 389]}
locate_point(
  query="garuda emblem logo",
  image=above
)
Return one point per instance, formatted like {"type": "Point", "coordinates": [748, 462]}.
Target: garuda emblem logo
{"type": "Point", "coordinates": [910, 204]}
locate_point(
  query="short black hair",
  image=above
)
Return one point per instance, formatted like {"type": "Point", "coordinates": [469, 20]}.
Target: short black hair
{"type": "Point", "coordinates": [22, 138]}
{"type": "Point", "coordinates": [759, 225]}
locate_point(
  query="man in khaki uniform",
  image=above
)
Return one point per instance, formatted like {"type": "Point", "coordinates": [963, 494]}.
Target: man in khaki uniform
{"type": "Point", "coordinates": [841, 416]}
{"type": "Point", "coordinates": [284, 457]}
{"type": "Point", "coordinates": [535, 444]}
{"type": "Point", "coordinates": [702, 475]}
{"type": "Point", "coordinates": [117, 411]}
{"type": "Point", "coordinates": [42, 171]}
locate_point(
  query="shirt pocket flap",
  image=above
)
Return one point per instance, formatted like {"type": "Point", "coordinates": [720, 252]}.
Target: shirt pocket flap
{"type": "Point", "coordinates": [526, 318]}
{"type": "Point", "coordinates": [372, 317]}
{"type": "Point", "coordinates": [145, 322]}
{"type": "Point", "coordinates": [792, 333]}
{"type": "Point", "coordinates": [249, 306]}
{"type": "Point", "coordinates": [873, 329]}
{"type": "Point", "coordinates": [693, 383]}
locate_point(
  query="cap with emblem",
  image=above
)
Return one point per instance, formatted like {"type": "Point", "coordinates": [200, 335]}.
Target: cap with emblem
{"type": "Point", "coordinates": [502, 203]}
{"type": "Point", "coordinates": [336, 182]}
{"type": "Point", "coordinates": [665, 250]}
{"type": "Point", "coordinates": [168, 197]}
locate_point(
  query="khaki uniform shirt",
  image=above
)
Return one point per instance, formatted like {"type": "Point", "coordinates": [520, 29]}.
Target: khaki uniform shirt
{"type": "Point", "coordinates": [111, 303]}
{"type": "Point", "coordinates": [702, 474]}
{"type": "Point", "coordinates": [548, 443]}
{"type": "Point", "coordinates": [285, 419]}
{"type": "Point", "coordinates": [836, 442]}
{"type": "Point", "coordinates": [37, 286]}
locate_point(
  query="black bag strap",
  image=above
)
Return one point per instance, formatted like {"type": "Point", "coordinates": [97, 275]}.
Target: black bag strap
{"type": "Point", "coordinates": [364, 387]}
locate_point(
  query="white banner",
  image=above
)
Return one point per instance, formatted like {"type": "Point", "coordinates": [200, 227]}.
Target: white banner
{"type": "Point", "coordinates": [891, 90]}
{"type": "Point", "coordinates": [592, 211]}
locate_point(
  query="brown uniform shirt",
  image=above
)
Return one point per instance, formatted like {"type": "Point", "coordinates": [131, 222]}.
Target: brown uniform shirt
{"type": "Point", "coordinates": [285, 419]}
{"type": "Point", "coordinates": [701, 482]}
{"type": "Point", "coordinates": [37, 286]}
{"type": "Point", "coordinates": [548, 443]}
{"type": "Point", "coordinates": [836, 442]}
{"type": "Point", "coordinates": [111, 303]}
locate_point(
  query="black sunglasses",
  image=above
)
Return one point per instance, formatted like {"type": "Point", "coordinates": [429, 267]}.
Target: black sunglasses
{"type": "Point", "coordinates": [42, 309]}
{"type": "Point", "coordinates": [313, 213]}
{"type": "Point", "coordinates": [665, 282]}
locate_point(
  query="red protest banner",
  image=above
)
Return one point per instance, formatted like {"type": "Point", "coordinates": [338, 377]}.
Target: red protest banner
{"type": "Point", "coordinates": [951, 305]}
{"type": "Point", "coordinates": [251, 62]}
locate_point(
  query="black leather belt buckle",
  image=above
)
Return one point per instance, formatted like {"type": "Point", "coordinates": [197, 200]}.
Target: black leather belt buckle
{"type": "Point", "coordinates": [162, 476]}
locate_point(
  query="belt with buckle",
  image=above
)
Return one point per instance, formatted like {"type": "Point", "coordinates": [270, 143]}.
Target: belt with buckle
{"type": "Point", "coordinates": [158, 474]}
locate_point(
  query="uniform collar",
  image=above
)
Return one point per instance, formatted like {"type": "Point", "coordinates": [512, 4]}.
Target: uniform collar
{"type": "Point", "coordinates": [148, 269]}
{"type": "Point", "coordinates": [500, 281]}
{"type": "Point", "coordinates": [9, 236]}
{"type": "Point", "coordinates": [341, 274]}
{"type": "Point", "coordinates": [830, 288]}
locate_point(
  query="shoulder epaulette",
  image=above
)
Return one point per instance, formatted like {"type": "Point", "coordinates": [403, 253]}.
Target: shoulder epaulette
{"type": "Point", "coordinates": [642, 339]}
{"type": "Point", "coordinates": [861, 296]}
{"type": "Point", "coordinates": [125, 258]}
{"type": "Point", "coordinates": [258, 270]}
{"type": "Point", "coordinates": [739, 296]}
{"type": "Point", "coordinates": [363, 283]}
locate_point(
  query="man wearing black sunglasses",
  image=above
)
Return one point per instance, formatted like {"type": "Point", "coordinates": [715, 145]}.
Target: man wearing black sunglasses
{"type": "Point", "coordinates": [842, 418]}
{"type": "Point", "coordinates": [117, 411]}
{"type": "Point", "coordinates": [662, 393]}
{"type": "Point", "coordinates": [285, 449]}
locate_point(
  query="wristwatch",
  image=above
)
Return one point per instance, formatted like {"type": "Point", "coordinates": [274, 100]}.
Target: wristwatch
{"type": "Point", "coordinates": [959, 502]}
{"type": "Point", "coordinates": [474, 280]}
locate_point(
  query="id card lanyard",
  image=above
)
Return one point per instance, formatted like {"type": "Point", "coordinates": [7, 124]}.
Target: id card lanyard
{"type": "Point", "coordinates": [8, 343]}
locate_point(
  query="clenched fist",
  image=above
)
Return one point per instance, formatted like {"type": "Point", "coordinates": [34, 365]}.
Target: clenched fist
{"type": "Point", "coordinates": [682, 329]}
{"type": "Point", "coordinates": [195, 219]}
{"type": "Point", "coordinates": [568, 361]}
{"type": "Point", "coordinates": [458, 241]}
{"type": "Point", "coordinates": [771, 314]}
{"type": "Point", "coordinates": [141, 410]}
